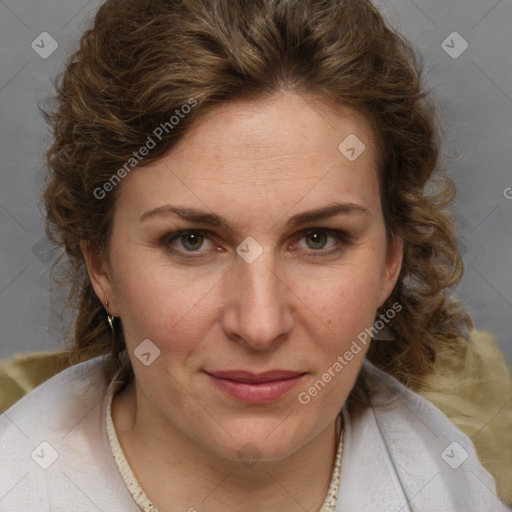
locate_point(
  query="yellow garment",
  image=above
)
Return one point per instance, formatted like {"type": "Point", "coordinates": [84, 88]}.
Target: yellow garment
{"type": "Point", "coordinates": [24, 372]}
{"type": "Point", "coordinates": [473, 388]}
{"type": "Point", "coordinates": [475, 391]}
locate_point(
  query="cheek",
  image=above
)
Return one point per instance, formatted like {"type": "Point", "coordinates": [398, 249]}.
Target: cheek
{"type": "Point", "coordinates": [343, 309]}
{"type": "Point", "coordinates": [158, 302]}
{"type": "Point", "coordinates": [348, 299]}
{"type": "Point", "coordinates": [340, 336]}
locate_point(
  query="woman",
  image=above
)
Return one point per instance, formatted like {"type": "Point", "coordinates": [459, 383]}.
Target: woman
{"type": "Point", "coordinates": [245, 192]}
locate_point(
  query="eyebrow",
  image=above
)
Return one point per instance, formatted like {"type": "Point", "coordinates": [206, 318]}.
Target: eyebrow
{"type": "Point", "coordinates": [214, 220]}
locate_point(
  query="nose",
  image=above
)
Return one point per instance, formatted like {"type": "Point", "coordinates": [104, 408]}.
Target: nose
{"type": "Point", "coordinates": [258, 309]}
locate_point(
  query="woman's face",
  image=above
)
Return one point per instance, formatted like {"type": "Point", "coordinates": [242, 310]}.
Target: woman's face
{"type": "Point", "coordinates": [281, 264]}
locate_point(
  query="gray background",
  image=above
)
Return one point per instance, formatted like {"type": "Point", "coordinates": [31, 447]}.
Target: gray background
{"type": "Point", "coordinates": [473, 90]}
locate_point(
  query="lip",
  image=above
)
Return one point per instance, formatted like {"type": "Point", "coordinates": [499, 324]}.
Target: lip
{"type": "Point", "coordinates": [255, 388]}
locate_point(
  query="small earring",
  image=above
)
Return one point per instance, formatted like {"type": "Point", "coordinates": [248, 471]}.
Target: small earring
{"type": "Point", "coordinates": [110, 318]}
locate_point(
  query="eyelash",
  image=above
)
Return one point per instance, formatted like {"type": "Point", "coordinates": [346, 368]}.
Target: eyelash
{"type": "Point", "coordinates": [341, 237]}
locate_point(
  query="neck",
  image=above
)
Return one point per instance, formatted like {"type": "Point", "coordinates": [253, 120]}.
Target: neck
{"type": "Point", "coordinates": [163, 459]}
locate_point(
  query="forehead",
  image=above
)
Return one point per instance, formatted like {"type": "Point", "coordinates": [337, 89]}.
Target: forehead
{"type": "Point", "coordinates": [282, 127]}
{"type": "Point", "coordinates": [280, 149]}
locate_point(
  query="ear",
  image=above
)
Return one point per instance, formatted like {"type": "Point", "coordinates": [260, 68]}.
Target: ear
{"type": "Point", "coordinates": [100, 275]}
{"type": "Point", "coordinates": [392, 267]}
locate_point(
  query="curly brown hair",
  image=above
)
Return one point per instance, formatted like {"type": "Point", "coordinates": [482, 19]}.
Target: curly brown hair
{"type": "Point", "coordinates": [144, 59]}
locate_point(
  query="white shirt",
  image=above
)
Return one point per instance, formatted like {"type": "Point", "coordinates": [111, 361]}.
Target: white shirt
{"type": "Point", "coordinates": [404, 456]}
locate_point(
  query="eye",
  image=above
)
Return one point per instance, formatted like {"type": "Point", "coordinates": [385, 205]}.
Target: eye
{"type": "Point", "coordinates": [192, 241]}
{"type": "Point", "coordinates": [324, 241]}
{"type": "Point", "coordinates": [317, 238]}
{"type": "Point", "coordinates": [186, 241]}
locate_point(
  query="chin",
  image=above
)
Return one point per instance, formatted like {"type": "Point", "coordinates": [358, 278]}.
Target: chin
{"type": "Point", "coordinates": [262, 440]}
